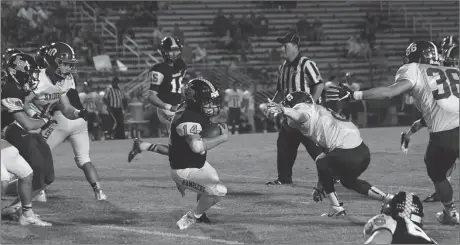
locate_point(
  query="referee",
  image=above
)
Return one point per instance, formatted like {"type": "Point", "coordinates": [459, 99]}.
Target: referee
{"type": "Point", "coordinates": [116, 102]}
{"type": "Point", "coordinates": [297, 73]}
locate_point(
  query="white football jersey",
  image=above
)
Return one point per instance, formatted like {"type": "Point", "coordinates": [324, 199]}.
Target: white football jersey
{"type": "Point", "coordinates": [248, 96]}
{"type": "Point", "coordinates": [47, 94]}
{"type": "Point", "coordinates": [326, 128]}
{"type": "Point", "coordinates": [435, 90]}
{"type": "Point", "coordinates": [234, 98]}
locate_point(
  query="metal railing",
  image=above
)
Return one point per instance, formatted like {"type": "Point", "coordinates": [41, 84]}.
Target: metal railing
{"type": "Point", "coordinates": [106, 26]}
{"type": "Point", "coordinates": [87, 11]}
{"type": "Point", "coordinates": [136, 82]}
{"type": "Point", "coordinates": [150, 57]}
{"type": "Point", "coordinates": [417, 19]}
{"type": "Point", "coordinates": [135, 49]}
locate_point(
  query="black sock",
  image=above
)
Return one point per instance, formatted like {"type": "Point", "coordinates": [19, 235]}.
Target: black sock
{"type": "Point", "coordinates": [26, 208]}
{"type": "Point", "coordinates": [95, 186]}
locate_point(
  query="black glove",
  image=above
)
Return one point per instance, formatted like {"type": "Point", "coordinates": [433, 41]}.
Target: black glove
{"type": "Point", "coordinates": [83, 114]}
{"type": "Point", "coordinates": [404, 142]}
{"type": "Point", "coordinates": [48, 123]}
{"type": "Point", "coordinates": [339, 93]}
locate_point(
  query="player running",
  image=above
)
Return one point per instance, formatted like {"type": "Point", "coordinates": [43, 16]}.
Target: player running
{"type": "Point", "coordinates": [60, 63]}
{"type": "Point", "coordinates": [344, 153]}
{"type": "Point", "coordinates": [400, 222]}
{"type": "Point", "coordinates": [21, 78]}
{"type": "Point", "coordinates": [166, 88]}
{"type": "Point", "coordinates": [435, 90]}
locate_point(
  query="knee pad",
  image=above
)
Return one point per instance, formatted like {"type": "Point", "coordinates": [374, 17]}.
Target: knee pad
{"type": "Point", "coordinates": [82, 160]}
{"type": "Point", "coordinates": [220, 190]}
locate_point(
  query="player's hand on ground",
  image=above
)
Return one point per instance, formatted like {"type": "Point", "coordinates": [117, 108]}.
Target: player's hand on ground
{"type": "Point", "coordinates": [339, 93]}
{"type": "Point", "coordinates": [83, 114]}
{"type": "Point", "coordinates": [224, 130]}
{"type": "Point", "coordinates": [404, 142]}
{"type": "Point", "coordinates": [318, 193]}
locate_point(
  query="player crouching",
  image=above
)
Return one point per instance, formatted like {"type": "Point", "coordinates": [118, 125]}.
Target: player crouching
{"type": "Point", "coordinates": [345, 154]}
{"type": "Point", "coordinates": [400, 222]}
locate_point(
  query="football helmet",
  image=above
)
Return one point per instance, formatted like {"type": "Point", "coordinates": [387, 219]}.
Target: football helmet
{"type": "Point", "coordinates": [202, 96]}
{"type": "Point", "coordinates": [60, 59]}
{"type": "Point", "coordinates": [422, 52]}
{"type": "Point", "coordinates": [40, 56]}
{"type": "Point", "coordinates": [297, 97]}
{"type": "Point", "coordinates": [447, 43]}
{"type": "Point", "coordinates": [451, 58]}
{"type": "Point", "coordinates": [7, 54]}
{"type": "Point", "coordinates": [405, 205]}
{"type": "Point", "coordinates": [171, 48]}
{"type": "Point", "coordinates": [23, 69]}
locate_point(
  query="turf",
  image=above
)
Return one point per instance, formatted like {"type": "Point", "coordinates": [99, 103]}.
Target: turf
{"type": "Point", "coordinates": [143, 204]}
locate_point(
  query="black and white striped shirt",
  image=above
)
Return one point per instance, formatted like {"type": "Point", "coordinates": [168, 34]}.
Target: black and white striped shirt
{"type": "Point", "coordinates": [114, 97]}
{"type": "Point", "coordinates": [299, 75]}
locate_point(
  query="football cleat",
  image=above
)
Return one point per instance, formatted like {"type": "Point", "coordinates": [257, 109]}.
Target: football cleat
{"type": "Point", "coordinates": [448, 218]}
{"type": "Point", "coordinates": [32, 220]}
{"type": "Point", "coordinates": [279, 182]}
{"type": "Point", "coordinates": [136, 149]}
{"type": "Point", "coordinates": [204, 219]}
{"type": "Point", "coordinates": [432, 198]}
{"type": "Point", "coordinates": [100, 196]}
{"type": "Point", "coordinates": [40, 197]}
{"type": "Point", "coordinates": [336, 211]}
{"type": "Point", "coordinates": [186, 221]}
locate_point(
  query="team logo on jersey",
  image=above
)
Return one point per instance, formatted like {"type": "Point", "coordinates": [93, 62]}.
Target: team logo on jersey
{"type": "Point", "coordinates": [193, 185]}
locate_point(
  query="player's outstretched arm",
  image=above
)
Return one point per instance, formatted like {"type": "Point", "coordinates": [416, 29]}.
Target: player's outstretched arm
{"type": "Point", "coordinates": [16, 107]}
{"type": "Point", "coordinates": [344, 93]}
{"type": "Point", "coordinates": [381, 236]}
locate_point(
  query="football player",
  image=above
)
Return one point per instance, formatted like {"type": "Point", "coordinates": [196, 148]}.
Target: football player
{"type": "Point", "coordinates": [21, 79]}
{"type": "Point", "coordinates": [91, 102]}
{"type": "Point", "coordinates": [451, 60]}
{"type": "Point", "coordinates": [447, 43]}
{"type": "Point", "coordinates": [6, 118]}
{"type": "Point", "coordinates": [187, 150]}
{"type": "Point", "coordinates": [60, 64]}
{"type": "Point", "coordinates": [435, 90]}
{"type": "Point", "coordinates": [344, 153]}
{"type": "Point", "coordinates": [234, 100]}
{"type": "Point", "coordinates": [166, 88]}
{"type": "Point", "coordinates": [400, 222]}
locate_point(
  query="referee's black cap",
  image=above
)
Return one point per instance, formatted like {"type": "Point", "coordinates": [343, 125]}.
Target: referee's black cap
{"type": "Point", "coordinates": [290, 37]}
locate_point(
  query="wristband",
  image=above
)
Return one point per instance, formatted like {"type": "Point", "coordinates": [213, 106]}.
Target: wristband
{"type": "Point", "coordinates": [168, 107]}
{"type": "Point", "coordinates": [76, 112]}
{"type": "Point", "coordinates": [358, 95]}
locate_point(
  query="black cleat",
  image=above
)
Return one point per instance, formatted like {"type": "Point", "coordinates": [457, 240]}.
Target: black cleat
{"type": "Point", "coordinates": [136, 149]}
{"type": "Point", "coordinates": [204, 219]}
{"type": "Point", "coordinates": [432, 198]}
{"type": "Point", "coordinates": [279, 182]}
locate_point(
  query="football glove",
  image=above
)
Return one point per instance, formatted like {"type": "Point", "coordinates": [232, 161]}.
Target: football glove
{"type": "Point", "coordinates": [339, 93]}
{"type": "Point", "coordinates": [48, 122]}
{"type": "Point", "coordinates": [404, 142]}
{"type": "Point", "coordinates": [273, 110]}
{"type": "Point", "coordinates": [83, 114]}
{"type": "Point", "coordinates": [318, 193]}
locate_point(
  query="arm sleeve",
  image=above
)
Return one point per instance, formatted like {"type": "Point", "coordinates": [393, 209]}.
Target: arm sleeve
{"type": "Point", "coordinates": [74, 99]}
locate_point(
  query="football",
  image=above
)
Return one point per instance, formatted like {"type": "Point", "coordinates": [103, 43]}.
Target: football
{"type": "Point", "coordinates": [211, 131]}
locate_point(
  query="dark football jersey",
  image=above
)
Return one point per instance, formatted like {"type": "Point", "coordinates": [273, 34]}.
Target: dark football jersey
{"type": "Point", "coordinates": [12, 101]}
{"type": "Point", "coordinates": [185, 123]}
{"type": "Point", "coordinates": [170, 88]}
{"type": "Point", "coordinates": [404, 231]}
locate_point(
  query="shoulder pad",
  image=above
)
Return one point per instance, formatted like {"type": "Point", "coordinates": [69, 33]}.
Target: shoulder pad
{"type": "Point", "coordinates": [407, 72]}
{"type": "Point", "coordinates": [13, 104]}
{"type": "Point", "coordinates": [381, 221]}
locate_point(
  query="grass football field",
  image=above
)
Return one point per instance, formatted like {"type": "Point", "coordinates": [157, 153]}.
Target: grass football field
{"type": "Point", "coordinates": [143, 203]}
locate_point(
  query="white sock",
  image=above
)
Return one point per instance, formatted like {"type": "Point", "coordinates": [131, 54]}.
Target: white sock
{"type": "Point", "coordinates": [334, 199]}
{"type": "Point", "coordinates": [377, 194]}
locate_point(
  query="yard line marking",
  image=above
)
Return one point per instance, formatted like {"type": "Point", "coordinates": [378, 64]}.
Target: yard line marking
{"type": "Point", "coordinates": [159, 233]}
{"type": "Point", "coordinates": [391, 187]}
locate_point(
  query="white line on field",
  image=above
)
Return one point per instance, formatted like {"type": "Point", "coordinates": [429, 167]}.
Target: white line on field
{"type": "Point", "coordinates": [166, 234]}
{"type": "Point", "coordinates": [390, 187]}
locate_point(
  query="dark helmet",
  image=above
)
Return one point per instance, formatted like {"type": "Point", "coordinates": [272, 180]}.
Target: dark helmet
{"type": "Point", "coordinates": [405, 205]}
{"type": "Point", "coordinates": [60, 59]}
{"type": "Point", "coordinates": [447, 43]}
{"type": "Point", "coordinates": [171, 48]}
{"type": "Point", "coordinates": [451, 58]}
{"type": "Point", "coordinates": [297, 97]}
{"type": "Point", "coordinates": [422, 52]}
{"type": "Point", "coordinates": [40, 56]}
{"type": "Point", "coordinates": [23, 69]}
{"type": "Point", "coordinates": [201, 95]}
{"type": "Point", "coordinates": [7, 54]}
